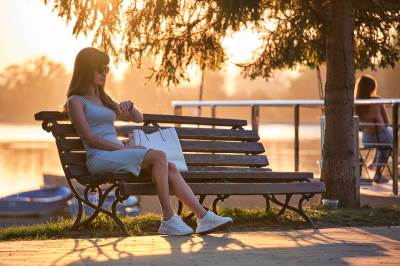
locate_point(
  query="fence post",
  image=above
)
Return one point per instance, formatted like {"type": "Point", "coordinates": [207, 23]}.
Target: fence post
{"type": "Point", "coordinates": [178, 110]}
{"type": "Point", "coordinates": [255, 117]}
{"type": "Point", "coordinates": [213, 112]}
{"type": "Point", "coordinates": [395, 162]}
{"type": "Point", "coordinates": [296, 136]}
{"type": "Point", "coordinates": [357, 157]}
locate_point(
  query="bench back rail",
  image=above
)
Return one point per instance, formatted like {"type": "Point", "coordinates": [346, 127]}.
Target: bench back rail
{"type": "Point", "coordinates": [213, 148]}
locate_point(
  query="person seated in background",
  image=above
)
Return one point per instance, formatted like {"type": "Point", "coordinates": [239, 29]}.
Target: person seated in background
{"type": "Point", "coordinates": [375, 134]}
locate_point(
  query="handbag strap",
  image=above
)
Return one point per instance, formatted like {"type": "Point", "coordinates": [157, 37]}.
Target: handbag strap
{"type": "Point", "coordinates": [161, 134]}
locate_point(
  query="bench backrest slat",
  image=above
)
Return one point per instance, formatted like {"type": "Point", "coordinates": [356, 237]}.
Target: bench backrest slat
{"type": "Point", "coordinates": [156, 118]}
{"type": "Point", "coordinates": [70, 158]}
{"type": "Point", "coordinates": [188, 146]}
{"type": "Point", "coordinates": [67, 130]}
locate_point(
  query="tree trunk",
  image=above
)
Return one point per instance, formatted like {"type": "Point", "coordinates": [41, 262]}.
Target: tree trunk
{"type": "Point", "coordinates": [339, 168]}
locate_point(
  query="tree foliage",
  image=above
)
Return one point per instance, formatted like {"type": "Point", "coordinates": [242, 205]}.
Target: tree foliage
{"type": "Point", "coordinates": [179, 33]}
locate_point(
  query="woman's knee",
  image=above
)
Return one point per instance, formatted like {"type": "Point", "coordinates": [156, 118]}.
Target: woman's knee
{"type": "Point", "coordinates": [152, 158]}
{"type": "Point", "coordinates": [155, 156]}
{"type": "Point", "coordinates": [172, 168]}
{"type": "Point", "coordinates": [160, 157]}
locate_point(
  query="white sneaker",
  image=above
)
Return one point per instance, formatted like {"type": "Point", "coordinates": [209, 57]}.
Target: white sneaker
{"type": "Point", "coordinates": [212, 222]}
{"type": "Point", "coordinates": [174, 227]}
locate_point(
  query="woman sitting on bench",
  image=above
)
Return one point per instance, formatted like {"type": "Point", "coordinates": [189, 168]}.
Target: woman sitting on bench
{"type": "Point", "coordinates": [93, 112]}
{"type": "Point", "coordinates": [376, 134]}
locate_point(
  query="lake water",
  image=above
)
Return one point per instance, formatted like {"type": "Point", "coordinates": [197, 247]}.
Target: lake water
{"type": "Point", "coordinates": [27, 151]}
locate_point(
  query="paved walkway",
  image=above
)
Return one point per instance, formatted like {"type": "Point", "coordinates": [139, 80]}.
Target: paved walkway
{"type": "Point", "coordinates": [378, 195]}
{"type": "Point", "coordinates": [334, 246]}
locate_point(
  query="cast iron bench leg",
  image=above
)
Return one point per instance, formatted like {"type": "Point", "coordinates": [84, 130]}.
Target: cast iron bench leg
{"type": "Point", "coordinates": [98, 208]}
{"type": "Point", "coordinates": [298, 210]}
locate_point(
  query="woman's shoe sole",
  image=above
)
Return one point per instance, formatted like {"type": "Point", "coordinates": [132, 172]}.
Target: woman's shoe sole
{"type": "Point", "coordinates": [217, 228]}
{"type": "Point", "coordinates": [171, 234]}
{"type": "Point", "coordinates": [188, 234]}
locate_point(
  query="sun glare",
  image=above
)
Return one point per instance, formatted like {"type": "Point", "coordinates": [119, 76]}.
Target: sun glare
{"type": "Point", "coordinates": [241, 45]}
{"type": "Point", "coordinates": [239, 48]}
{"type": "Point", "coordinates": [119, 70]}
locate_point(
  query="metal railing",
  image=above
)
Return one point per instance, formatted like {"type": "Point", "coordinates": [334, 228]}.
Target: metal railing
{"type": "Point", "coordinates": [296, 105]}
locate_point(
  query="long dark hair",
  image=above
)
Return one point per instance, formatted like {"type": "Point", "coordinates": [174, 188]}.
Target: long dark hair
{"type": "Point", "coordinates": [366, 88]}
{"type": "Point", "coordinates": [87, 61]}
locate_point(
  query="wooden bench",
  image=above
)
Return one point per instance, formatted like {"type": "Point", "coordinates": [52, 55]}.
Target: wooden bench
{"type": "Point", "coordinates": [223, 159]}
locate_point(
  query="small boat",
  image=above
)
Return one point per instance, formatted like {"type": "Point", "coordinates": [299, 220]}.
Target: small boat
{"type": "Point", "coordinates": [130, 207]}
{"type": "Point", "coordinates": [41, 202]}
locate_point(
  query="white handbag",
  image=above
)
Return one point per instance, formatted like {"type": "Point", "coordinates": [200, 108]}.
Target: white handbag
{"type": "Point", "coordinates": [165, 140]}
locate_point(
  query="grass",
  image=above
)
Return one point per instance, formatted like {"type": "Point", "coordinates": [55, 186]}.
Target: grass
{"type": "Point", "coordinates": [244, 220]}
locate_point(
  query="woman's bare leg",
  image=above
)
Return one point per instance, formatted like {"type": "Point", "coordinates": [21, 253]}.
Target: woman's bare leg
{"type": "Point", "coordinates": [156, 162]}
{"type": "Point", "coordinates": [183, 192]}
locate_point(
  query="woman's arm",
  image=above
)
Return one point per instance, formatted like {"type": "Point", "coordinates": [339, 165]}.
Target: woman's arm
{"type": "Point", "coordinates": [78, 119]}
{"type": "Point", "coordinates": [127, 111]}
{"type": "Point", "coordinates": [384, 114]}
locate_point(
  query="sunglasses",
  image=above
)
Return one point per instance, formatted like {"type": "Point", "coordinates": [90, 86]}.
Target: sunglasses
{"type": "Point", "coordinates": [103, 69]}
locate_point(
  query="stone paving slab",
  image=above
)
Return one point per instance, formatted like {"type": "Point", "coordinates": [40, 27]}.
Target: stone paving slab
{"type": "Point", "coordinates": [331, 246]}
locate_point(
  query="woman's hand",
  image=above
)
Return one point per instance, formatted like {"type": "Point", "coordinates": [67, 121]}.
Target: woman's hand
{"type": "Point", "coordinates": [130, 143]}
{"type": "Point", "coordinates": [126, 111]}
{"type": "Point", "coordinates": [124, 107]}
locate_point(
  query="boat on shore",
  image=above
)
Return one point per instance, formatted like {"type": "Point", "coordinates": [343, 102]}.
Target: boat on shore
{"type": "Point", "coordinates": [130, 207]}
{"type": "Point", "coordinates": [41, 202]}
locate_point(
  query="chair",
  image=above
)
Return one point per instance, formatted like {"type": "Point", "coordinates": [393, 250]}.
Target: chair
{"type": "Point", "coordinates": [367, 153]}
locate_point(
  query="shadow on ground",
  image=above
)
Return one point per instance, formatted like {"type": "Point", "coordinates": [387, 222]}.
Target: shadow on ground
{"type": "Point", "coordinates": [350, 246]}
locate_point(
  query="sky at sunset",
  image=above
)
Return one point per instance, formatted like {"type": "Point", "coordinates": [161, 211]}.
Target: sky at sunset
{"type": "Point", "coordinates": [29, 29]}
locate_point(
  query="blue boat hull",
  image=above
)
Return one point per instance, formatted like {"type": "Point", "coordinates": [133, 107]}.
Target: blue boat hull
{"type": "Point", "coordinates": [129, 207]}
{"type": "Point", "coordinates": [41, 202]}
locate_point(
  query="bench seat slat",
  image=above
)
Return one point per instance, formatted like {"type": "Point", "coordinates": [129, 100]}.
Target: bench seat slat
{"type": "Point", "coordinates": [158, 118]}
{"type": "Point", "coordinates": [200, 176]}
{"type": "Point", "coordinates": [187, 146]}
{"type": "Point", "coordinates": [67, 130]}
{"type": "Point", "coordinates": [300, 176]}
{"type": "Point", "coordinates": [232, 188]}
{"type": "Point", "coordinates": [75, 171]}
{"type": "Point", "coordinates": [191, 159]}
